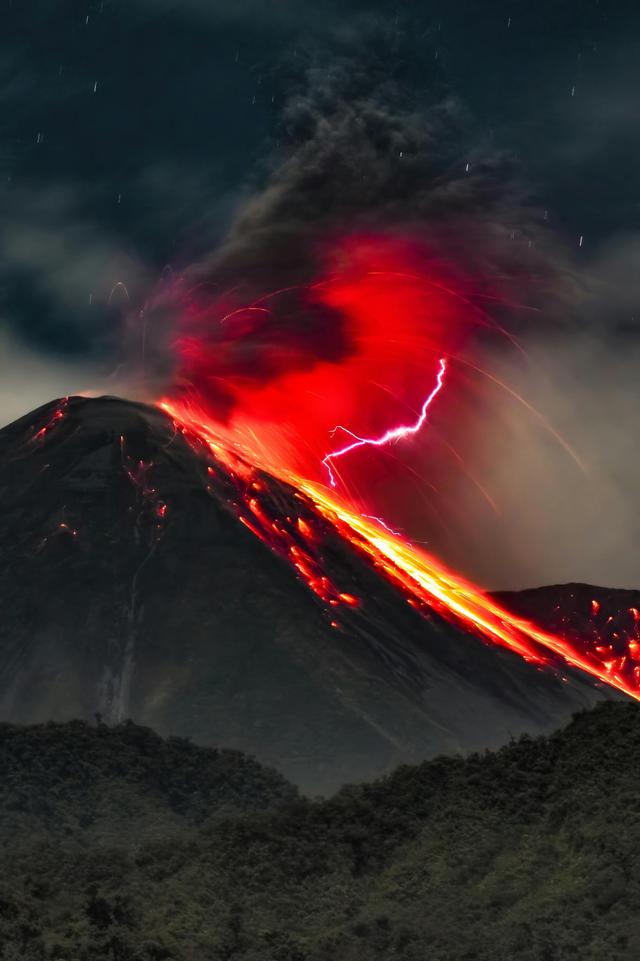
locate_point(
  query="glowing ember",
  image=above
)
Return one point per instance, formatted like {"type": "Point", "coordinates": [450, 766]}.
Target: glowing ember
{"type": "Point", "coordinates": [426, 583]}
{"type": "Point", "coordinates": [395, 433]}
{"type": "Point", "coordinates": [56, 417]}
{"type": "Point", "coordinates": [65, 529]}
{"type": "Point", "coordinates": [137, 472]}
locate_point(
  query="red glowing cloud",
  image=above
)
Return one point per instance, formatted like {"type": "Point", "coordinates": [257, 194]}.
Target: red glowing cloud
{"type": "Point", "coordinates": [400, 432]}
{"type": "Point", "coordinates": [357, 346]}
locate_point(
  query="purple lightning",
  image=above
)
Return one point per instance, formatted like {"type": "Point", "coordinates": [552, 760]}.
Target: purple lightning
{"type": "Point", "coordinates": [394, 433]}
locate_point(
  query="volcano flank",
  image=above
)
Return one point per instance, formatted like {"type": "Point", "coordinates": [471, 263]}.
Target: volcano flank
{"type": "Point", "coordinates": [132, 586]}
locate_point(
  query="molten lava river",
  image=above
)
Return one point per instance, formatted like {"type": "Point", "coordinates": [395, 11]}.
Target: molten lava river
{"type": "Point", "coordinates": [311, 385]}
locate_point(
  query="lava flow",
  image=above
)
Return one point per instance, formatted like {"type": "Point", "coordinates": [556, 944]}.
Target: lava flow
{"type": "Point", "coordinates": [260, 380]}
{"type": "Point", "coordinates": [425, 582]}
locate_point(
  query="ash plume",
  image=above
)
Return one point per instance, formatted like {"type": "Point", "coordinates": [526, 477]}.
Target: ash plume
{"type": "Point", "coordinates": [364, 144]}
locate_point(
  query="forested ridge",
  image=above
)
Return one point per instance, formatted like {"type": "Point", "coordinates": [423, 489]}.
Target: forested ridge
{"type": "Point", "coordinates": [121, 846]}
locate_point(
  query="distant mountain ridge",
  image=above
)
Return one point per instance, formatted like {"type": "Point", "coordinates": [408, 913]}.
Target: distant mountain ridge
{"type": "Point", "coordinates": [130, 588]}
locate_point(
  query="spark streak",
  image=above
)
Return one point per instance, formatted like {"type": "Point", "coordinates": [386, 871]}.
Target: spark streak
{"type": "Point", "coordinates": [394, 433]}
{"type": "Point", "coordinates": [383, 523]}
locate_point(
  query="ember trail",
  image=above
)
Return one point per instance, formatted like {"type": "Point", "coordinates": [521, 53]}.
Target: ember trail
{"type": "Point", "coordinates": [425, 582]}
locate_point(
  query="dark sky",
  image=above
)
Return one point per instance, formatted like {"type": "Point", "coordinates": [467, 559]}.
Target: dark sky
{"type": "Point", "coordinates": [131, 131]}
{"type": "Point", "coordinates": [135, 125]}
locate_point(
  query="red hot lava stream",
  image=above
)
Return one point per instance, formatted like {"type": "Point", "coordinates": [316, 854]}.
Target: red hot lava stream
{"type": "Point", "coordinates": [390, 309]}
{"type": "Point", "coordinates": [422, 578]}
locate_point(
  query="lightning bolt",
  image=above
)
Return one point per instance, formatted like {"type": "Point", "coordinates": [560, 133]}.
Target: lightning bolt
{"type": "Point", "coordinates": [394, 433]}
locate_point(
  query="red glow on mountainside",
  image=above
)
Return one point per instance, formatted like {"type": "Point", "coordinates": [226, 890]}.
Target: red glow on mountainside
{"type": "Point", "coordinates": [138, 473]}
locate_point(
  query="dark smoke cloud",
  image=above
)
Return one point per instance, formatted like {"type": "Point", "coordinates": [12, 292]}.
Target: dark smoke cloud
{"type": "Point", "coordinates": [367, 142]}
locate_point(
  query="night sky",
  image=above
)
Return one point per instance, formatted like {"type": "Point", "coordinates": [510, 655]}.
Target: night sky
{"type": "Point", "coordinates": [138, 125]}
{"type": "Point", "coordinates": [132, 131]}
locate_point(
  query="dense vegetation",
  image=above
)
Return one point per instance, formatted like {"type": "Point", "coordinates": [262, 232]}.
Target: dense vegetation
{"type": "Point", "coordinates": [118, 845]}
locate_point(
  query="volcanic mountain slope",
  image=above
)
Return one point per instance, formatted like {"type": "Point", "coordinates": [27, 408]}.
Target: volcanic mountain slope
{"type": "Point", "coordinates": [605, 616]}
{"type": "Point", "coordinates": [129, 588]}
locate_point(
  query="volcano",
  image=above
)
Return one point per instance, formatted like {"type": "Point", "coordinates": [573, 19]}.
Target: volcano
{"type": "Point", "coordinates": [133, 586]}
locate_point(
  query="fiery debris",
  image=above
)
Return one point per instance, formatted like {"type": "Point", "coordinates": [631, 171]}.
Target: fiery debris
{"type": "Point", "coordinates": [56, 417]}
{"type": "Point", "coordinates": [424, 581]}
{"type": "Point", "coordinates": [137, 472]}
{"type": "Point", "coordinates": [271, 374]}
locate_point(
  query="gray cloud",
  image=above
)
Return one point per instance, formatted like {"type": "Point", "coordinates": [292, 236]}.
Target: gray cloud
{"type": "Point", "coordinates": [74, 290]}
{"type": "Point", "coordinates": [558, 522]}
{"type": "Point", "coordinates": [29, 379]}
{"type": "Point", "coordinates": [70, 289]}
{"type": "Point", "coordinates": [46, 235]}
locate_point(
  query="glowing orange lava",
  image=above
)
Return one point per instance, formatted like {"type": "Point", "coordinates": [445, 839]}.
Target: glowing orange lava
{"type": "Point", "coordinates": [425, 582]}
{"type": "Point", "coordinates": [262, 379]}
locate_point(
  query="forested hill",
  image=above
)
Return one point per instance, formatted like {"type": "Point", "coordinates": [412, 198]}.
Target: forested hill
{"type": "Point", "coordinates": [73, 778]}
{"type": "Point", "coordinates": [526, 854]}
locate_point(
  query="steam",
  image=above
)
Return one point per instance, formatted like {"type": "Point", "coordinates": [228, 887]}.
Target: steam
{"type": "Point", "coordinates": [559, 523]}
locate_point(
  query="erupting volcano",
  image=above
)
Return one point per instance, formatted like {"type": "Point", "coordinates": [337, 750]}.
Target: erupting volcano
{"type": "Point", "coordinates": [155, 573]}
{"type": "Point", "coordinates": [387, 310]}
{"type": "Point", "coordinates": [217, 566]}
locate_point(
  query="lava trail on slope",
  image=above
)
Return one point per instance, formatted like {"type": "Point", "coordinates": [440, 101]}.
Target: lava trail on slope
{"type": "Point", "coordinates": [427, 584]}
